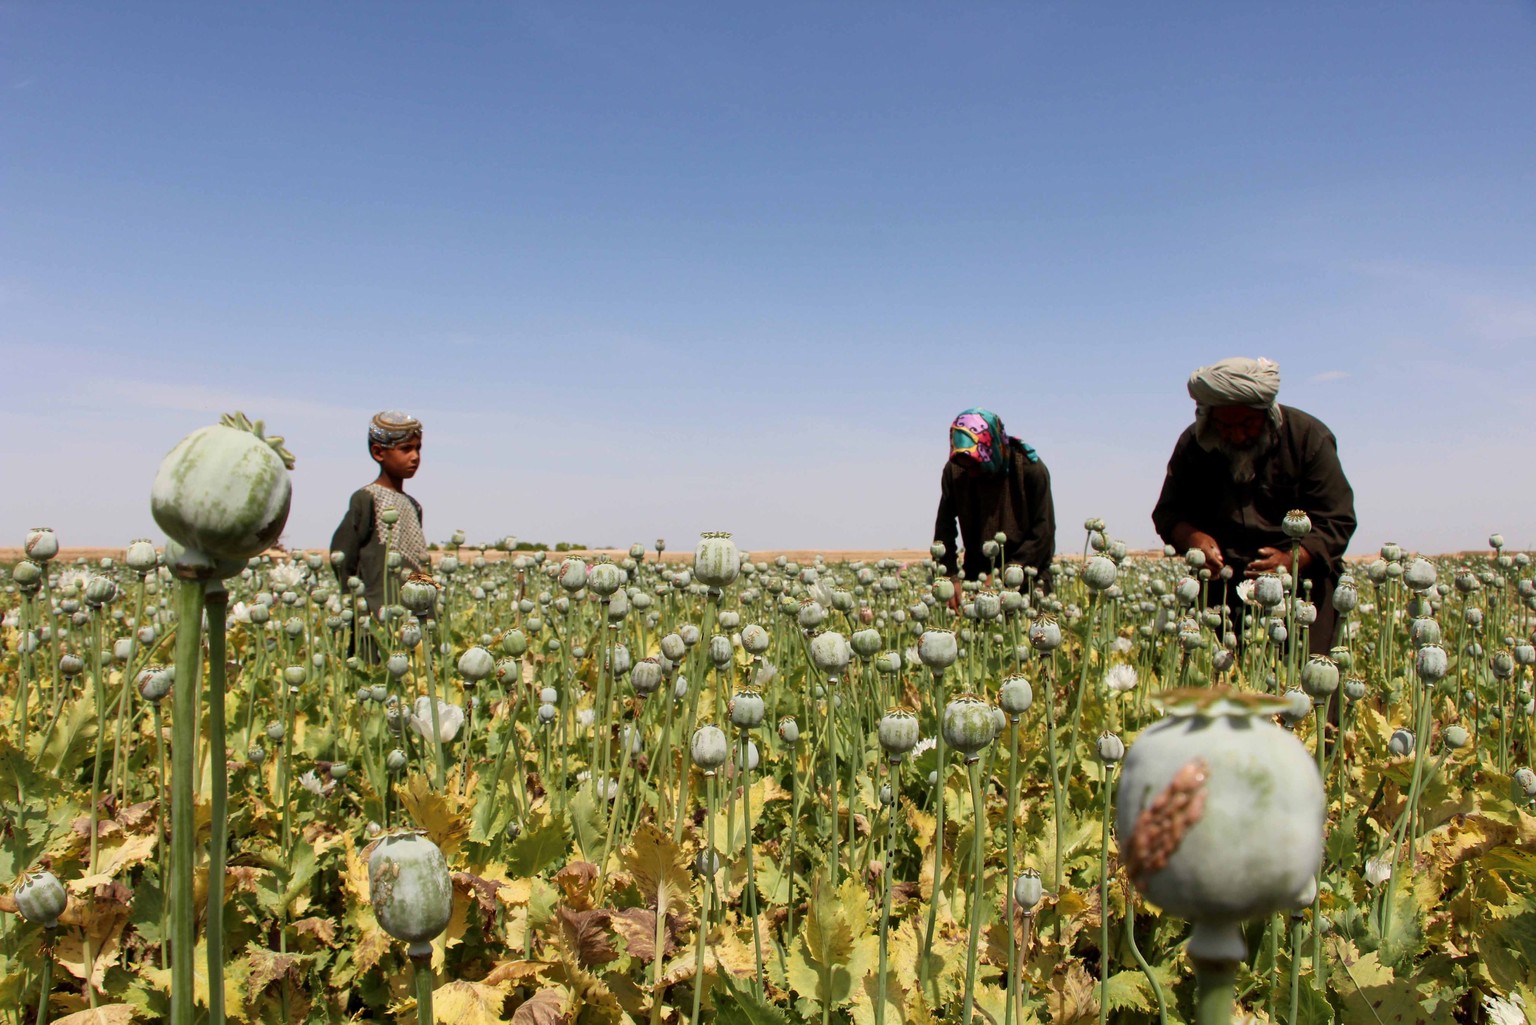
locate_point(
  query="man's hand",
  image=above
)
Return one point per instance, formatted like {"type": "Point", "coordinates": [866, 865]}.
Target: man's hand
{"type": "Point", "coordinates": [1200, 540]}
{"type": "Point", "coordinates": [954, 597]}
{"type": "Point", "coordinates": [1272, 560]}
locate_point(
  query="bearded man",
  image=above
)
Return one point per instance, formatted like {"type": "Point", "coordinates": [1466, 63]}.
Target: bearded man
{"type": "Point", "coordinates": [1238, 469]}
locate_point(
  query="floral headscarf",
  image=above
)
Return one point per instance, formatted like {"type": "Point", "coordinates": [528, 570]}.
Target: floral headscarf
{"type": "Point", "coordinates": [978, 434]}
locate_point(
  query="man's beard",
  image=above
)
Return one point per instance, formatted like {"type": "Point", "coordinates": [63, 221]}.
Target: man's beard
{"type": "Point", "coordinates": [1242, 460]}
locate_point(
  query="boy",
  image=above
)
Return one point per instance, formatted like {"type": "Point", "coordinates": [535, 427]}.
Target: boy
{"type": "Point", "coordinates": [394, 442]}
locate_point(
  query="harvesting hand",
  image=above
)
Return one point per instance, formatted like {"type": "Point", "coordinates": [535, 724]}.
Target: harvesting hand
{"type": "Point", "coordinates": [1272, 560]}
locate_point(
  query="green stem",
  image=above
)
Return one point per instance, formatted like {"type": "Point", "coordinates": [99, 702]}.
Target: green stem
{"type": "Point", "coordinates": [422, 967]}
{"type": "Point", "coordinates": [938, 830]}
{"type": "Point", "coordinates": [184, 732]}
{"type": "Point", "coordinates": [1141, 962]}
{"type": "Point", "coordinates": [746, 823]}
{"type": "Point", "coordinates": [1104, 958]}
{"type": "Point", "coordinates": [42, 1000]}
{"type": "Point", "coordinates": [217, 602]}
{"type": "Point", "coordinates": [1213, 1001]}
{"type": "Point", "coordinates": [978, 833]}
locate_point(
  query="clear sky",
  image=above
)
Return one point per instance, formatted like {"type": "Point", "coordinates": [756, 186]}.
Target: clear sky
{"type": "Point", "coordinates": [651, 269]}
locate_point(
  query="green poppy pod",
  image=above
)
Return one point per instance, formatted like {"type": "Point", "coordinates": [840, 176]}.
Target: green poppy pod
{"type": "Point", "coordinates": [1319, 676]}
{"type": "Point", "coordinates": [1220, 817]}
{"type": "Point", "coordinates": [573, 575]}
{"type": "Point", "coordinates": [716, 560]}
{"type": "Point", "coordinates": [754, 639]}
{"type": "Point", "coordinates": [647, 676]}
{"type": "Point", "coordinates": [1401, 743]}
{"type": "Point", "coordinates": [897, 732]}
{"type": "Point", "coordinates": [41, 544]}
{"type": "Point", "coordinates": [224, 490]}
{"type": "Point", "coordinates": [1099, 573]}
{"type": "Point", "coordinates": [604, 579]}
{"type": "Point", "coordinates": [1296, 524]}
{"type": "Point", "coordinates": [1419, 574]}
{"type": "Point", "coordinates": [410, 889]}
{"type": "Point", "coordinates": [1027, 891]}
{"type": "Point", "coordinates": [41, 898]}
{"type": "Point", "coordinates": [476, 664]}
{"type": "Point", "coordinates": [1015, 695]}
{"type": "Point", "coordinates": [865, 643]}
{"type": "Point", "coordinates": [1431, 663]}
{"type": "Point", "coordinates": [720, 651]}
{"type": "Point", "coordinates": [830, 653]}
{"type": "Point", "coordinates": [1354, 688]}
{"type": "Point", "coordinates": [746, 710]}
{"type": "Point", "coordinates": [709, 748]}
{"type": "Point", "coordinates": [938, 649]}
{"type": "Point", "coordinates": [1110, 748]}
{"type": "Point", "coordinates": [789, 730]}
{"type": "Point", "coordinates": [1045, 634]}
{"type": "Point", "coordinates": [968, 726]}
{"type": "Point", "coordinates": [810, 615]}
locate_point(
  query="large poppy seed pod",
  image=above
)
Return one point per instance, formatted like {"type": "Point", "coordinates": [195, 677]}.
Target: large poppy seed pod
{"type": "Point", "coordinates": [789, 730]}
{"type": "Point", "coordinates": [1296, 524]}
{"type": "Point", "coordinates": [1015, 695]}
{"type": "Point", "coordinates": [1525, 779]}
{"type": "Point", "coordinates": [987, 605]}
{"type": "Point", "coordinates": [746, 710]}
{"type": "Point", "coordinates": [810, 615]}
{"type": "Point", "coordinates": [573, 574]}
{"type": "Point", "coordinates": [1099, 573]}
{"type": "Point", "coordinates": [1027, 890]}
{"type": "Point", "coordinates": [1456, 737]}
{"type": "Point", "coordinates": [754, 639]}
{"type": "Point", "coordinates": [1320, 676]}
{"type": "Point", "coordinates": [646, 677]}
{"type": "Point", "coordinates": [1424, 631]}
{"type": "Point", "coordinates": [141, 556]}
{"type": "Point", "coordinates": [1045, 634]}
{"type": "Point", "coordinates": [604, 579]}
{"type": "Point", "coordinates": [618, 660]}
{"type": "Point", "coordinates": [710, 748]}
{"type": "Point", "coordinates": [944, 590]}
{"type": "Point", "coordinates": [224, 489]}
{"type": "Point", "coordinates": [1305, 613]}
{"type": "Point", "coordinates": [28, 575]}
{"type": "Point", "coordinates": [419, 595]}
{"type": "Point", "coordinates": [888, 663]}
{"type": "Point", "coordinates": [968, 726]}
{"type": "Point", "coordinates": [1013, 576]}
{"type": "Point", "coordinates": [71, 664]}
{"type": "Point", "coordinates": [1268, 590]}
{"type": "Point", "coordinates": [1431, 663]}
{"type": "Point", "coordinates": [1298, 705]}
{"type": "Point", "coordinates": [100, 591]}
{"type": "Point", "coordinates": [672, 647]}
{"type": "Point", "coordinates": [720, 651]}
{"type": "Point", "coordinates": [865, 643]}
{"type": "Point", "coordinates": [716, 560]}
{"type": "Point", "coordinates": [1110, 748]}
{"type": "Point", "coordinates": [41, 898]}
{"type": "Point", "coordinates": [476, 664]}
{"type": "Point", "coordinates": [1525, 653]}
{"type": "Point", "coordinates": [897, 732]}
{"type": "Point", "coordinates": [1354, 688]}
{"type": "Point", "coordinates": [830, 653]}
{"type": "Point", "coordinates": [1346, 598]}
{"type": "Point", "coordinates": [1401, 742]}
{"type": "Point", "coordinates": [1472, 616]}
{"type": "Point", "coordinates": [1419, 574]}
{"type": "Point", "coordinates": [1220, 816]}
{"type": "Point", "coordinates": [41, 544]}
{"type": "Point", "coordinates": [1394, 570]}
{"type": "Point", "coordinates": [938, 649]}
{"type": "Point", "coordinates": [154, 682]}
{"type": "Point", "coordinates": [410, 889]}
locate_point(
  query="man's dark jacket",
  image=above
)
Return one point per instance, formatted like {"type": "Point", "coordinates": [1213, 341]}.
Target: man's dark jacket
{"type": "Point", "coordinates": [1302, 472]}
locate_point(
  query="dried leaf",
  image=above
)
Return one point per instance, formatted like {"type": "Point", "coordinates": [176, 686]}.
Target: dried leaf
{"type": "Point", "coordinates": [576, 881]}
{"type": "Point", "coordinates": [586, 935]}
{"type": "Point", "coordinates": [442, 813]}
{"type": "Point", "coordinates": [546, 1007]}
{"type": "Point", "coordinates": [322, 929]}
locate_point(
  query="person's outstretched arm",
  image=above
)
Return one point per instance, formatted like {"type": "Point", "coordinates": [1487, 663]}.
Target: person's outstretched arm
{"type": "Point", "coordinates": [944, 528]}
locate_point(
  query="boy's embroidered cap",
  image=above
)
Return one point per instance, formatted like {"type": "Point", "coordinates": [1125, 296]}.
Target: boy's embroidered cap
{"type": "Point", "coordinates": [391, 427]}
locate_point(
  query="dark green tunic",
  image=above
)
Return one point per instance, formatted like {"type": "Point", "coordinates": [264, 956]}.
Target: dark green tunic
{"type": "Point", "coordinates": [1016, 503]}
{"type": "Point", "coordinates": [1303, 472]}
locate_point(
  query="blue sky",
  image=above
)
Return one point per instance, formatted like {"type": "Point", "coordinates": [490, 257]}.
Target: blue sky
{"type": "Point", "coordinates": [651, 269]}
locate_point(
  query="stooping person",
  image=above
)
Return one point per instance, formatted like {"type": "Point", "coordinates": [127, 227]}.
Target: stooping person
{"type": "Point", "coordinates": [1238, 470]}
{"type": "Point", "coordinates": [994, 484]}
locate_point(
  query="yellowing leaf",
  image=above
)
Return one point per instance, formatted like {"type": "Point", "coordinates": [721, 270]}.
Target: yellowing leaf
{"type": "Point", "coordinates": [468, 1003]}
{"type": "Point", "coordinates": [443, 814]}
{"type": "Point", "coordinates": [659, 867]}
{"type": "Point", "coordinates": [1070, 996]}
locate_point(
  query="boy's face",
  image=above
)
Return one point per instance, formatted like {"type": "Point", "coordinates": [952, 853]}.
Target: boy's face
{"type": "Point", "coordinates": [401, 461]}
